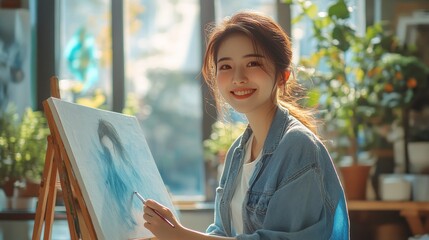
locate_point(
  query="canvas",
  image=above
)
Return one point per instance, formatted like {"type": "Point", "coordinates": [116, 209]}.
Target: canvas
{"type": "Point", "coordinates": [111, 159]}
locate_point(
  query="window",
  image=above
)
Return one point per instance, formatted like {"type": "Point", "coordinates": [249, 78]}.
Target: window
{"type": "Point", "coordinates": [162, 65]}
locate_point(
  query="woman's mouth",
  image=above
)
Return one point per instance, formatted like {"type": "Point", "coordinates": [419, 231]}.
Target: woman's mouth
{"type": "Point", "coordinates": [243, 93]}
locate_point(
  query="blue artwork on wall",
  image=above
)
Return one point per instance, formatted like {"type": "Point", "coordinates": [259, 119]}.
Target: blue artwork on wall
{"type": "Point", "coordinates": [111, 159]}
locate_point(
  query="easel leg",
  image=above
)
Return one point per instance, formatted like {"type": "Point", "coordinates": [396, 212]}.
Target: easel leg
{"type": "Point", "coordinates": [44, 189]}
{"type": "Point", "coordinates": [49, 221]}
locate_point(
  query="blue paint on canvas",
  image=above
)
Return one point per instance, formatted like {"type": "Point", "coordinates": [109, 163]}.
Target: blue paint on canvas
{"type": "Point", "coordinates": [111, 159]}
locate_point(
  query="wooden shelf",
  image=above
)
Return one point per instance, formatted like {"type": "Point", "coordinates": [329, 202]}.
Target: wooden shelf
{"type": "Point", "coordinates": [416, 213]}
{"type": "Point", "coordinates": [386, 206]}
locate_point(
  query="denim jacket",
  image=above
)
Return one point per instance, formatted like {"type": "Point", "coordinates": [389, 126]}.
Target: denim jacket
{"type": "Point", "coordinates": [294, 192]}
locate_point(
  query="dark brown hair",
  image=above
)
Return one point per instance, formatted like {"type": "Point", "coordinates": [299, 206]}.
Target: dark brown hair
{"type": "Point", "coordinates": [269, 38]}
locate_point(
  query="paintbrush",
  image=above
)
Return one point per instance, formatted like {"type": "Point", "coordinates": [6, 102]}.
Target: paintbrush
{"type": "Point", "coordinates": [157, 213]}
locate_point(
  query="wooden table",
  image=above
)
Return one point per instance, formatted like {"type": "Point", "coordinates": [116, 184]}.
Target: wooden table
{"type": "Point", "coordinates": [416, 213]}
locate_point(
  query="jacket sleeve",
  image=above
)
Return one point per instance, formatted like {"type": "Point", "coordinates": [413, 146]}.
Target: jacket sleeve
{"type": "Point", "coordinates": [217, 228]}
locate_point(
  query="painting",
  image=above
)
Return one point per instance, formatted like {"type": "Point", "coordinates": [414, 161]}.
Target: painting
{"type": "Point", "coordinates": [111, 159]}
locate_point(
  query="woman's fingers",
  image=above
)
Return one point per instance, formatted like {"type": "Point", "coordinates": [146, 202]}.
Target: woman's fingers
{"type": "Point", "coordinates": [161, 221]}
{"type": "Point", "coordinates": [148, 212]}
{"type": "Point", "coordinates": [161, 209]}
{"type": "Point", "coordinates": [153, 209]}
{"type": "Point", "coordinates": [154, 204]}
{"type": "Point", "coordinates": [153, 220]}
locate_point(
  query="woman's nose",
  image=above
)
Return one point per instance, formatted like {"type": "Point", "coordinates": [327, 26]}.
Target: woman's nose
{"type": "Point", "coordinates": [239, 77]}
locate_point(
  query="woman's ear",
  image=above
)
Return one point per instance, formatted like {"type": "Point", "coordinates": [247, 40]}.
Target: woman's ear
{"type": "Point", "coordinates": [285, 78]}
{"type": "Point", "coordinates": [286, 75]}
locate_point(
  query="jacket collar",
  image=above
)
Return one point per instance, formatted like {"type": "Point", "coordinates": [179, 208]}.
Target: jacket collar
{"type": "Point", "coordinates": [275, 133]}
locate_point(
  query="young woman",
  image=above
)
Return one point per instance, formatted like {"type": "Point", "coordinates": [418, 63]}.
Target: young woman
{"type": "Point", "coordinates": [279, 181]}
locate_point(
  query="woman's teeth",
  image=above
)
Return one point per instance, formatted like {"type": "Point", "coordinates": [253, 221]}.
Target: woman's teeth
{"type": "Point", "coordinates": [243, 92]}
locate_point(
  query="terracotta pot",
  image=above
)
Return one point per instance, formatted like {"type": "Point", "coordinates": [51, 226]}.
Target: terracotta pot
{"type": "Point", "coordinates": [9, 186]}
{"type": "Point", "coordinates": [354, 180]}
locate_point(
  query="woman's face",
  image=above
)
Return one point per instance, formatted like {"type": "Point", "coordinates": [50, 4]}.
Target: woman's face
{"type": "Point", "coordinates": [244, 77]}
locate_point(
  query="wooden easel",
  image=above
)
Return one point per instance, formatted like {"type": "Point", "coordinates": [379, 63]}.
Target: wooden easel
{"type": "Point", "coordinates": [57, 164]}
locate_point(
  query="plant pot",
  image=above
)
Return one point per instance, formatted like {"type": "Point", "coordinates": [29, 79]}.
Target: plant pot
{"type": "Point", "coordinates": [9, 186]}
{"type": "Point", "coordinates": [418, 152]}
{"type": "Point", "coordinates": [354, 179]}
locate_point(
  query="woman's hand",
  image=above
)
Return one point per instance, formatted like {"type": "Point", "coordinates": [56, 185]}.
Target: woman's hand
{"type": "Point", "coordinates": [158, 226]}
{"type": "Point", "coordinates": [163, 231]}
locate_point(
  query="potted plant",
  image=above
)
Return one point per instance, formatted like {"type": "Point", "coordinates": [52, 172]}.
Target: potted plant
{"type": "Point", "coordinates": [22, 150]}
{"type": "Point", "coordinates": [347, 92]}
{"type": "Point", "coordinates": [403, 81]}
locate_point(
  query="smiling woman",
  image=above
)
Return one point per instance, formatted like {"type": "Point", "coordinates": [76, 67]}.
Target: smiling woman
{"type": "Point", "coordinates": [279, 180]}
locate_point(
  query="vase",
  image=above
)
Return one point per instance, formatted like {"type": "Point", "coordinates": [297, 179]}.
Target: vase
{"type": "Point", "coordinates": [9, 186]}
{"type": "Point", "coordinates": [354, 179]}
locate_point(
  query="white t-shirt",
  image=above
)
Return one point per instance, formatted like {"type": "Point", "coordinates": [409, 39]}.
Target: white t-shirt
{"type": "Point", "coordinates": [244, 176]}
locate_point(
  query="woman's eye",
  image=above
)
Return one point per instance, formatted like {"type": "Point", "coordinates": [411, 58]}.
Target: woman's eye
{"type": "Point", "coordinates": [224, 67]}
{"type": "Point", "coordinates": [254, 64]}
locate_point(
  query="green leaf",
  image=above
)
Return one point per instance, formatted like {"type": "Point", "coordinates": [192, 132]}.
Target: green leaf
{"type": "Point", "coordinates": [338, 34]}
{"type": "Point", "coordinates": [339, 10]}
{"type": "Point", "coordinates": [298, 18]}
{"type": "Point", "coordinates": [312, 11]}
{"type": "Point", "coordinates": [325, 21]}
